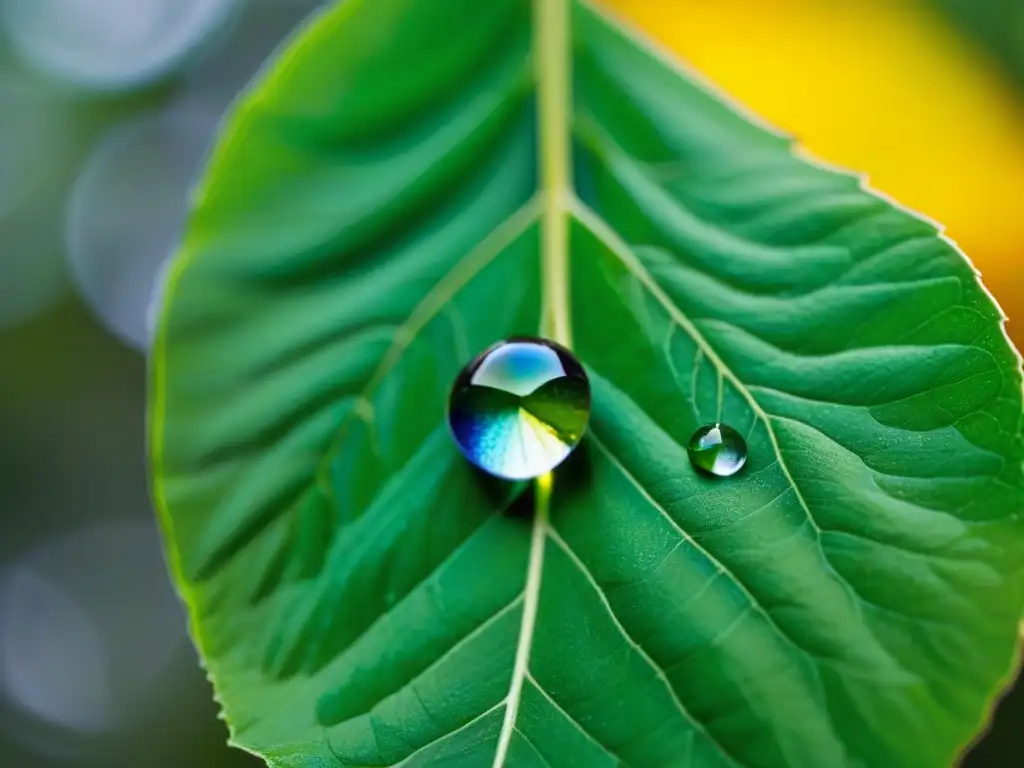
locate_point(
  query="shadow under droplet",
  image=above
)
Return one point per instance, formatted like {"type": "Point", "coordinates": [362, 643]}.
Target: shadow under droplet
{"type": "Point", "coordinates": [523, 506]}
{"type": "Point", "coordinates": [513, 497]}
{"type": "Point", "coordinates": [575, 474]}
{"type": "Point", "coordinates": [518, 497]}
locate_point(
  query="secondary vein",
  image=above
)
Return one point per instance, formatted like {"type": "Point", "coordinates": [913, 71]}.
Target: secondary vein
{"type": "Point", "coordinates": [618, 248]}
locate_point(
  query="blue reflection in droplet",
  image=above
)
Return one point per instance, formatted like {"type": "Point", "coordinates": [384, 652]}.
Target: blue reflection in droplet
{"type": "Point", "coordinates": [520, 408]}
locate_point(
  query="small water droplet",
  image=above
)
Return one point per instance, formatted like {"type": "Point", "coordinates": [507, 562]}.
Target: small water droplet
{"type": "Point", "coordinates": [717, 449]}
{"type": "Point", "coordinates": [520, 408]}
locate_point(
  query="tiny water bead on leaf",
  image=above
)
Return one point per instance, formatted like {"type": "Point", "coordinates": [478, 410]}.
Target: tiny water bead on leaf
{"type": "Point", "coordinates": [520, 408]}
{"type": "Point", "coordinates": [717, 449]}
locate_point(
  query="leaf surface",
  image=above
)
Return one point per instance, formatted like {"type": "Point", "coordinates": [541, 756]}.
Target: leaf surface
{"type": "Point", "coordinates": [413, 180]}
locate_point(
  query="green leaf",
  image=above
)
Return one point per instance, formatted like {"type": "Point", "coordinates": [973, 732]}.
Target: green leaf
{"type": "Point", "coordinates": [413, 180]}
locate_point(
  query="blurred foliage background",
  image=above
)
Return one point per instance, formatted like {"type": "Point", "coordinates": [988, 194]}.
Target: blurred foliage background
{"type": "Point", "coordinates": [106, 110]}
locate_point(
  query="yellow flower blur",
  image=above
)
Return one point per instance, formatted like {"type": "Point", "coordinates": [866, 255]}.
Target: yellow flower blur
{"type": "Point", "coordinates": [885, 87]}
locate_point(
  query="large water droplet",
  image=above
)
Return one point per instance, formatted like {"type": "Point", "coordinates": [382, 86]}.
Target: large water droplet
{"type": "Point", "coordinates": [520, 408]}
{"type": "Point", "coordinates": [718, 449]}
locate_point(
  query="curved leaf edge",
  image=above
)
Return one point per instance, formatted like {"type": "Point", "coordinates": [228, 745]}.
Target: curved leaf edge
{"type": "Point", "coordinates": [324, 23]}
{"type": "Point", "coordinates": [1014, 665]}
{"type": "Point", "coordinates": [320, 22]}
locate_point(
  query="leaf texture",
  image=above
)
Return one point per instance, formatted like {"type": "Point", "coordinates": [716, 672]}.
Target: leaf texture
{"type": "Point", "coordinates": [410, 182]}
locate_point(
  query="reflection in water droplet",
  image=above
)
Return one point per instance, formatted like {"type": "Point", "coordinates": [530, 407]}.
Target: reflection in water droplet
{"type": "Point", "coordinates": [520, 408]}
{"type": "Point", "coordinates": [717, 449]}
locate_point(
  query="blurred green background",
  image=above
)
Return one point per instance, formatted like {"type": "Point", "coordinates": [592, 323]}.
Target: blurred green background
{"type": "Point", "coordinates": [106, 110]}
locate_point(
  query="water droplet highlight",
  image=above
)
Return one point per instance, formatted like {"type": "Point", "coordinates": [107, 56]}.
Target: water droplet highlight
{"type": "Point", "coordinates": [717, 449]}
{"type": "Point", "coordinates": [520, 408]}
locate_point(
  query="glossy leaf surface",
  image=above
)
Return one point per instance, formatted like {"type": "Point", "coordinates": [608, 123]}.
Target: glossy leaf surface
{"type": "Point", "coordinates": [414, 180]}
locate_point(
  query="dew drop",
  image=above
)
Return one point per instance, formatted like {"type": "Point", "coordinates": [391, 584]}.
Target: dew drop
{"type": "Point", "coordinates": [520, 408]}
{"type": "Point", "coordinates": [718, 450]}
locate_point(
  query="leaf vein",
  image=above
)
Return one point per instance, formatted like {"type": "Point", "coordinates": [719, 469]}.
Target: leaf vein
{"type": "Point", "coordinates": [658, 671]}
{"type": "Point", "coordinates": [719, 565]}
{"type": "Point", "coordinates": [572, 720]}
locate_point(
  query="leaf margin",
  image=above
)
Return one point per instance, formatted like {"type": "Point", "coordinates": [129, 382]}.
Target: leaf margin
{"type": "Point", "coordinates": [322, 22]}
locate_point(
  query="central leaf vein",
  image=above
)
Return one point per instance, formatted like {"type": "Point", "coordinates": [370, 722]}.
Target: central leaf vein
{"type": "Point", "coordinates": [552, 75]}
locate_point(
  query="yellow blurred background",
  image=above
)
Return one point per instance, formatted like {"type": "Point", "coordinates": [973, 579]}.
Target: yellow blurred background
{"type": "Point", "coordinates": [887, 87]}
